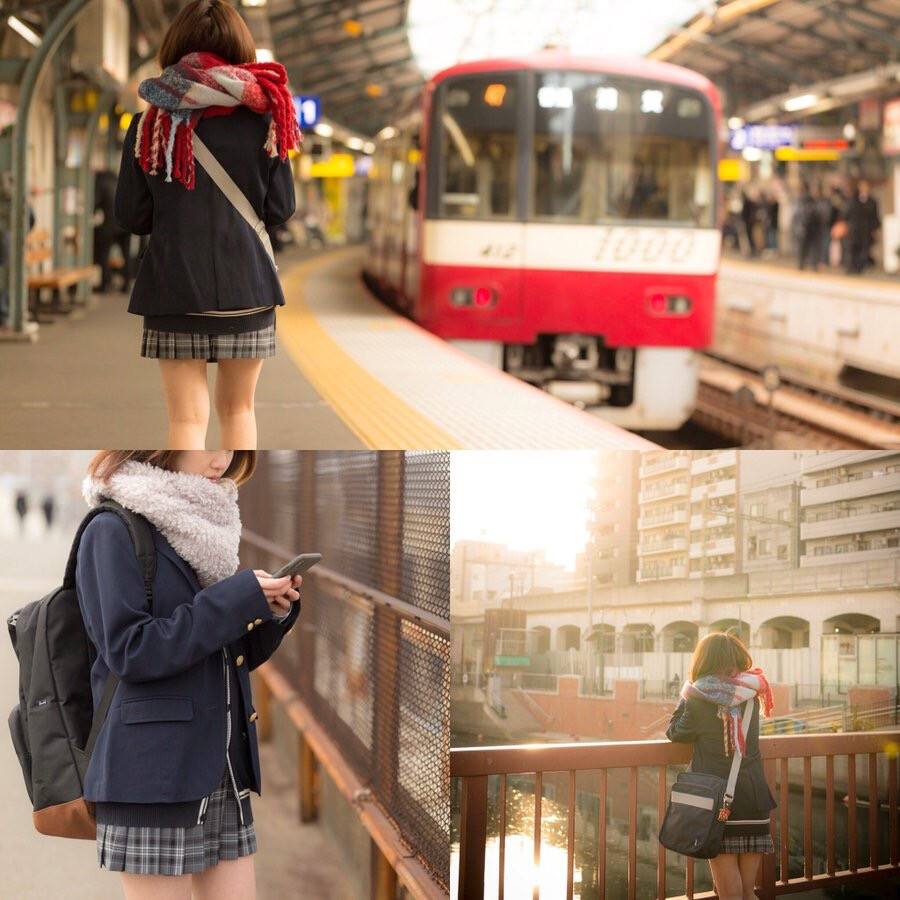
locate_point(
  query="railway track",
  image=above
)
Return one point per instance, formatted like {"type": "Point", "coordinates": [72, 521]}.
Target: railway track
{"type": "Point", "coordinates": [733, 401]}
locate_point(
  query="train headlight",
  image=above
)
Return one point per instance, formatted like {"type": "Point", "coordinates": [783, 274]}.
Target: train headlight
{"type": "Point", "coordinates": [480, 297]}
{"type": "Point", "coordinates": [661, 304]}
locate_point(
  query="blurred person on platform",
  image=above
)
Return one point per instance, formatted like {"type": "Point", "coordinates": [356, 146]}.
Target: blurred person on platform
{"type": "Point", "coordinates": [206, 286]}
{"type": "Point", "coordinates": [177, 756]}
{"type": "Point", "coordinates": [724, 687]}
{"type": "Point", "coordinates": [107, 232]}
{"type": "Point", "coordinates": [49, 508]}
{"type": "Point", "coordinates": [863, 222]}
{"type": "Point", "coordinates": [771, 207]}
{"type": "Point", "coordinates": [809, 227]}
{"type": "Point", "coordinates": [21, 505]}
{"type": "Point", "coordinates": [749, 211]}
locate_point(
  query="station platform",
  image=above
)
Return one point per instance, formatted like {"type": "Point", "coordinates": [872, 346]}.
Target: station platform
{"type": "Point", "coordinates": [349, 374]}
{"type": "Point", "coordinates": [830, 331]}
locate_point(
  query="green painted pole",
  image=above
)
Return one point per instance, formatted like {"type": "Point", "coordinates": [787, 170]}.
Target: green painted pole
{"type": "Point", "coordinates": [18, 286]}
{"type": "Point", "coordinates": [86, 183]}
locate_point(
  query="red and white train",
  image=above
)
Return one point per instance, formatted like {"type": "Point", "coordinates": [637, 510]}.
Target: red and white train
{"type": "Point", "coordinates": [557, 217]}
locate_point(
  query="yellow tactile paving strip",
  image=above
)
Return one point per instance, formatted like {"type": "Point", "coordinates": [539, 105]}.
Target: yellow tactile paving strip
{"type": "Point", "coordinates": [379, 418]}
{"type": "Point", "coordinates": [397, 386]}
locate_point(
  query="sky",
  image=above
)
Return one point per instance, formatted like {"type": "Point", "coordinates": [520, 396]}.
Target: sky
{"type": "Point", "coordinates": [530, 500]}
{"type": "Point", "coordinates": [451, 31]}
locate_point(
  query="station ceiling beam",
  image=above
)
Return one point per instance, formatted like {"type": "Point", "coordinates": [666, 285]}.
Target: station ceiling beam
{"type": "Point", "coordinates": [335, 21]}
{"type": "Point", "coordinates": [348, 79]}
{"type": "Point", "coordinates": [844, 18]}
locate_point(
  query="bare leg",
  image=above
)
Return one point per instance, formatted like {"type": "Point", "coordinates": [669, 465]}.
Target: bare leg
{"type": "Point", "coordinates": [231, 879]}
{"type": "Point", "coordinates": [727, 876]}
{"type": "Point", "coordinates": [749, 864]}
{"type": "Point", "coordinates": [156, 887]}
{"type": "Point", "coordinates": [187, 400]}
{"type": "Point", "coordinates": [235, 391]}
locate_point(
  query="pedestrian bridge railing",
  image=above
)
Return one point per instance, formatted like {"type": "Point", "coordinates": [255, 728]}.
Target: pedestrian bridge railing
{"type": "Point", "coordinates": [591, 812]}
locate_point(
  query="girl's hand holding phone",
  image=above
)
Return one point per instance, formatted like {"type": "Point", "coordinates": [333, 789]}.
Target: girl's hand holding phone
{"type": "Point", "coordinates": [280, 592]}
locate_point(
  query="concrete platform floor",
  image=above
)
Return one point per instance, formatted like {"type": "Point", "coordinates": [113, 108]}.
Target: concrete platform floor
{"type": "Point", "coordinates": [83, 383]}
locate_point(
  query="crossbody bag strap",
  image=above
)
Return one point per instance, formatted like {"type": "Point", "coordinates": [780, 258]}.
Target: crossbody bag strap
{"type": "Point", "coordinates": [235, 195]}
{"type": "Point", "coordinates": [736, 758]}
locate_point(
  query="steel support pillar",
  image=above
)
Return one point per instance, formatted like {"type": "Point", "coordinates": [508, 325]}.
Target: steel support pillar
{"type": "Point", "coordinates": [56, 32]}
{"type": "Point", "coordinates": [86, 185]}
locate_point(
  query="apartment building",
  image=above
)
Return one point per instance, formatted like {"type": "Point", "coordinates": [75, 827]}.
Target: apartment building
{"type": "Point", "coordinates": [850, 507]}
{"type": "Point", "coordinates": [770, 536]}
{"type": "Point", "coordinates": [611, 554]}
{"type": "Point", "coordinates": [715, 525]}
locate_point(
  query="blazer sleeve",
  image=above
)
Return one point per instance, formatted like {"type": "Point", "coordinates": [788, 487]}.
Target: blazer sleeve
{"type": "Point", "coordinates": [134, 202]}
{"type": "Point", "coordinates": [682, 726]}
{"type": "Point", "coordinates": [280, 202]}
{"type": "Point", "coordinates": [259, 644]}
{"type": "Point", "coordinates": [137, 646]}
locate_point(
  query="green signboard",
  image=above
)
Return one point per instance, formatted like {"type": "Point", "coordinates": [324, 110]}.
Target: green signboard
{"type": "Point", "coordinates": [512, 660]}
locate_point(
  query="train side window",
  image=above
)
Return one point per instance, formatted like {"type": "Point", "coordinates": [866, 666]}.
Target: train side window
{"type": "Point", "coordinates": [476, 138]}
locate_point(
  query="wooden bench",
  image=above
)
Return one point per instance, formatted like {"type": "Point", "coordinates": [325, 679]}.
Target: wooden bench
{"type": "Point", "coordinates": [39, 249]}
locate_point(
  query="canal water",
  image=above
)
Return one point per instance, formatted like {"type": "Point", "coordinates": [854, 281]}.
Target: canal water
{"type": "Point", "coordinates": [519, 872]}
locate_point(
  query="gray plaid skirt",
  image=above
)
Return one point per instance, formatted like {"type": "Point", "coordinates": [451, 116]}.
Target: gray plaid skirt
{"type": "Point", "coordinates": [211, 347]}
{"type": "Point", "coordinates": [178, 851]}
{"type": "Point", "coordinates": [747, 837]}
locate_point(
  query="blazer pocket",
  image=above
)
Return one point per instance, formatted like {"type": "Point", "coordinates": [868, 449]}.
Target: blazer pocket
{"type": "Point", "coordinates": [157, 709]}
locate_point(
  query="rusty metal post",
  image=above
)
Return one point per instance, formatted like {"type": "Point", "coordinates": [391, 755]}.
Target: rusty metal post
{"type": "Point", "coordinates": [307, 780]}
{"type": "Point", "coordinates": [473, 835]}
{"type": "Point", "coordinates": [383, 877]}
{"type": "Point", "coordinates": [390, 520]}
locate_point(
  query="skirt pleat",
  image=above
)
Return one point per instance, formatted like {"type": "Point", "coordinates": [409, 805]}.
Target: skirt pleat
{"type": "Point", "coordinates": [211, 347]}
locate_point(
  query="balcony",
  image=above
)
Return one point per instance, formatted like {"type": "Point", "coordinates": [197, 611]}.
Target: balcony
{"type": "Point", "coordinates": [667, 546]}
{"type": "Point", "coordinates": [713, 572]}
{"type": "Point", "coordinates": [699, 522]}
{"type": "Point", "coordinates": [657, 519]}
{"type": "Point", "coordinates": [716, 489]}
{"type": "Point", "coordinates": [667, 464]}
{"type": "Point", "coordinates": [716, 547]}
{"type": "Point", "coordinates": [856, 556]}
{"type": "Point", "coordinates": [850, 524]}
{"type": "Point", "coordinates": [498, 792]}
{"type": "Point", "coordinates": [850, 488]}
{"type": "Point", "coordinates": [663, 491]}
{"type": "Point", "coordinates": [721, 460]}
{"type": "Point", "coordinates": [661, 573]}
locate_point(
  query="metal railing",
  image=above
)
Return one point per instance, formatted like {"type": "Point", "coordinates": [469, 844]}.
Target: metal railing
{"type": "Point", "coordinates": [557, 769]}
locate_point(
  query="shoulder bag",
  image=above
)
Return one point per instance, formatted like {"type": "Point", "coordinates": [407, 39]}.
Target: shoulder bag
{"type": "Point", "coordinates": [235, 195]}
{"type": "Point", "coordinates": [699, 806]}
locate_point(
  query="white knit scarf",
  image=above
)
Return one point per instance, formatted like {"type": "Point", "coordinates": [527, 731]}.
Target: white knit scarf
{"type": "Point", "coordinates": [198, 517]}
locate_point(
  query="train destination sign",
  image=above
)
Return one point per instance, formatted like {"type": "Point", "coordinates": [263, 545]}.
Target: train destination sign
{"type": "Point", "coordinates": [309, 109]}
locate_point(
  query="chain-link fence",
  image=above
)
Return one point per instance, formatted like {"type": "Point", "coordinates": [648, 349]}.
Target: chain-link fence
{"type": "Point", "coordinates": [370, 655]}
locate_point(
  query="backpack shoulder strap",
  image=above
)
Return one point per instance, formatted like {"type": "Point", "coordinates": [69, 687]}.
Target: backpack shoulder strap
{"type": "Point", "coordinates": [749, 706]}
{"type": "Point", "coordinates": [141, 540]}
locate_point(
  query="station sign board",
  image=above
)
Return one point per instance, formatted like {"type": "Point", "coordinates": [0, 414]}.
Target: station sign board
{"type": "Point", "coordinates": [891, 128]}
{"type": "Point", "coordinates": [339, 165]}
{"type": "Point", "coordinates": [309, 110]}
{"type": "Point", "coordinates": [762, 137]}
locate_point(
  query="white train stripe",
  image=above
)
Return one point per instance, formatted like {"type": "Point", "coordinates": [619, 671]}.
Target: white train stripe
{"type": "Point", "coordinates": [589, 248]}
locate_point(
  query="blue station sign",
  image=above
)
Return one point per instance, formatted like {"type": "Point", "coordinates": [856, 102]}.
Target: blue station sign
{"type": "Point", "coordinates": [762, 137]}
{"type": "Point", "coordinates": [309, 110]}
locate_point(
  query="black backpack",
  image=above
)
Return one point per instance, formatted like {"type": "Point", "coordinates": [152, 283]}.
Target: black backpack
{"type": "Point", "coordinates": [54, 727]}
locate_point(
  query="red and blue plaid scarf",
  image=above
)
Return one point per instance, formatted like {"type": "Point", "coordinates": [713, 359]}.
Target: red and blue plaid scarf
{"type": "Point", "coordinates": [728, 694]}
{"type": "Point", "coordinates": [202, 84]}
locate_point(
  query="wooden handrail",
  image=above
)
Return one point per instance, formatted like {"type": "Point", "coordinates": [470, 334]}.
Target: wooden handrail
{"type": "Point", "coordinates": [474, 766]}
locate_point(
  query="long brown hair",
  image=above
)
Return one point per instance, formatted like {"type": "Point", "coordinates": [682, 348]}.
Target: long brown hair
{"type": "Point", "coordinates": [211, 26]}
{"type": "Point", "coordinates": [107, 462]}
{"type": "Point", "coordinates": [720, 653]}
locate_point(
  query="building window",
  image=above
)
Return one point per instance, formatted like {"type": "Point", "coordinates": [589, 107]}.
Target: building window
{"type": "Point", "coordinates": [765, 547]}
{"type": "Point", "coordinates": [756, 509]}
{"type": "Point", "coordinates": [782, 551]}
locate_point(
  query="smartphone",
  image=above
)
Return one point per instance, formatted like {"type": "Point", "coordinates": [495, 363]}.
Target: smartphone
{"type": "Point", "coordinates": [298, 565]}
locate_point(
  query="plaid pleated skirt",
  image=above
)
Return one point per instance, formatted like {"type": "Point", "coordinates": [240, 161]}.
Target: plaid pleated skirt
{"type": "Point", "coordinates": [747, 836]}
{"type": "Point", "coordinates": [211, 347]}
{"type": "Point", "coordinates": [179, 851]}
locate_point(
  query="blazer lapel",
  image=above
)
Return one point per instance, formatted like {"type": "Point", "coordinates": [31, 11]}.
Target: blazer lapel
{"type": "Point", "coordinates": [164, 547]}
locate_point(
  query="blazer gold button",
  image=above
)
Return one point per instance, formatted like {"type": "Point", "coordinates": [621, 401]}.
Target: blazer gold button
{"type": "Point", "coordinates": [254, 717]}
{"type": "Point", "coordinates": [239, 661]}
{"type": "Point", "coordinates": [258, 622]}
{"type": "Point", "coordinates": [249, 626]}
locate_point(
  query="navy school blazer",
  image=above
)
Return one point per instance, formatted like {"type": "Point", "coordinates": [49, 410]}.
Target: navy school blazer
{"type": "Point", "coordinates": [164, 736]}
{"type": "Point", "coordinates": [203, 256]}
{"type": "Point", "coordinates": [696, 721]}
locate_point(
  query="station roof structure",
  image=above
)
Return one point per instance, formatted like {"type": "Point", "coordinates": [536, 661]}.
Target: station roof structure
{"type": "Point", "coordinates": [758, 49]}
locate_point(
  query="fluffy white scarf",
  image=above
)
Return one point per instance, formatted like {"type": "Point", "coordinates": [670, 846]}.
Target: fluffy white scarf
{"type": "Point", "coordinates": [199, 518]}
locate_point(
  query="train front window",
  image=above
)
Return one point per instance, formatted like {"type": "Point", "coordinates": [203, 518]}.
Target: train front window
{"type": "Point", "coordinates": [612, 149]}
{"type": "Point", "coordinates": [475, 128]}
